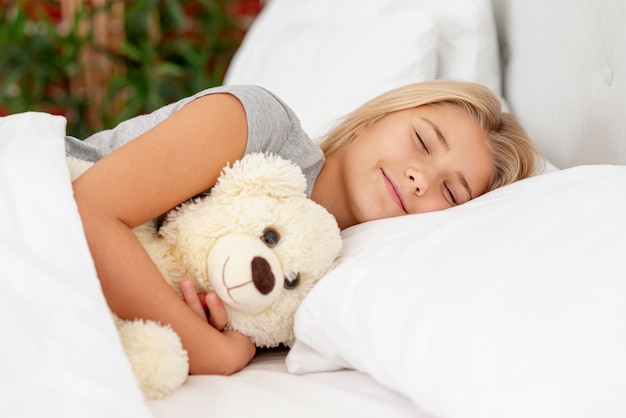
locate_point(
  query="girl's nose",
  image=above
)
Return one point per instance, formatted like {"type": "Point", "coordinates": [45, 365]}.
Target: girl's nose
{"type": "Point", "coordinates": [420, 181]}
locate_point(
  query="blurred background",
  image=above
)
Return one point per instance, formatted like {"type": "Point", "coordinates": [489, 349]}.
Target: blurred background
{"type": "Point", "coordinates": [99, 62]}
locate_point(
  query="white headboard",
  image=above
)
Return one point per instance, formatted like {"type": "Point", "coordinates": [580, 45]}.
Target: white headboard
{"type": "Point", "coordinates": [564, 68]}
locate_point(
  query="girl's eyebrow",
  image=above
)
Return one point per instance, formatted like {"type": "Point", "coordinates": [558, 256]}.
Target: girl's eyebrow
{"type": "Point", "coordinates": [442, 139]}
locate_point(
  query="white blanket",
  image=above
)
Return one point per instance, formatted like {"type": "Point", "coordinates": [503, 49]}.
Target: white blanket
{"type": "Point", "coordinates": [60, 355]}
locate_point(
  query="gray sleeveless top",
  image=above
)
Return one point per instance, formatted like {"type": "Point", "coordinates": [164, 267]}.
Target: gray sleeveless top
{"type": "Point", "coordinates": [272, 128]}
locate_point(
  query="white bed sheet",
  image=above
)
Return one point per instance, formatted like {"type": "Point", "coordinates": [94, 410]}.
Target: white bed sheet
{"type": "Point", "coordinates": [265, 389]}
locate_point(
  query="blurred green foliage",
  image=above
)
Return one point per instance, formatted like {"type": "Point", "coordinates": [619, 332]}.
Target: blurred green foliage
{"type": "Point", "coordinates": [170, 49]}
{"type": "Point", "coordinates": [37, 62]}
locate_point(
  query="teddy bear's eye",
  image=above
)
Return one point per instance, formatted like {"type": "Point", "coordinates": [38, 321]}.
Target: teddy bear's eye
{"type": "Point", "coordinates": [292, 281]}
{"type": "Point", "coordinates": [270, 237]}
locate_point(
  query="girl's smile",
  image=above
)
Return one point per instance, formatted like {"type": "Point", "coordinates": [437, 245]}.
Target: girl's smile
{"type": "Point", "coordinates": [396, 196]}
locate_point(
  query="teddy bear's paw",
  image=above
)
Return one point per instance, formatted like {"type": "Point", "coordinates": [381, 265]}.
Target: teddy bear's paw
{"type": "Point", "coordinates": [156, 354]}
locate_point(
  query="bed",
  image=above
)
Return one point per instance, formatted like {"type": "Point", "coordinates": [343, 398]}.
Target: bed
{"type": "Point", "coordinates": [512, 305]}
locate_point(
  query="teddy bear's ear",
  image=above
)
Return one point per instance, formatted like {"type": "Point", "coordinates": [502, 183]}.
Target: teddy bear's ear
{"type": "Point", "coordinates": [261, 174]}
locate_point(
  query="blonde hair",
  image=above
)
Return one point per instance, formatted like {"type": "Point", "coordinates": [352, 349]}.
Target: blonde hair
{"type": "Point", "coordinates": [515, 155]}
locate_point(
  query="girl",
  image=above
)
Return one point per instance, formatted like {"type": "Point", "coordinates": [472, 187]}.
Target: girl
{"type": "Point", "coordinates": [419, 148]}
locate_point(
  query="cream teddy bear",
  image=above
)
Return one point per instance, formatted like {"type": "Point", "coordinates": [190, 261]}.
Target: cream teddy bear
{"type": "Point", "coordinates": [255, 239]}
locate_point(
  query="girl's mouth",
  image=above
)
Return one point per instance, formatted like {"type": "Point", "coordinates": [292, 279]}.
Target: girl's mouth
{"type": "Point", "coordinates": [393, 192]}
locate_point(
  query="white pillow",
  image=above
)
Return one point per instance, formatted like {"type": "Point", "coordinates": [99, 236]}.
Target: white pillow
{"type": "Point", "coordinates": [60, 354]}
{"type": "Point", "coordinates": [325, 58]}
{"type": "Point", "coordinates": [468, 47]}
{"type": "Point", "coordinates": [512, 305]}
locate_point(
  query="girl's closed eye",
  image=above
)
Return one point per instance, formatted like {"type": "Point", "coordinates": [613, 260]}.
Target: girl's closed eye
{"type": "Point", "coordinates": [450, 194]}
{"type": "Point", "coordinates": [421, 142]}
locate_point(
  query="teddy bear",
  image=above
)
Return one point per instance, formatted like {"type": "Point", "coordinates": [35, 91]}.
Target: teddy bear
{"type": "Point", "coordinates": [255, 239]}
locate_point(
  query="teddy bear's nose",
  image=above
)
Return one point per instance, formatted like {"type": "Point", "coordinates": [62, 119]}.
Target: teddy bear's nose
{"type": "Point", "coordinates": [262, 275]}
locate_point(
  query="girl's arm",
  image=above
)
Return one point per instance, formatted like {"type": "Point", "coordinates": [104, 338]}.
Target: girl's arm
{"type": "Point", "coordinates": [179, 158]}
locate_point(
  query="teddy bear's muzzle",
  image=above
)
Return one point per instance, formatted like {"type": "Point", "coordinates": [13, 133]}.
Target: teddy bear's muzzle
{"type": "Point", "coordinates": [244, 272]}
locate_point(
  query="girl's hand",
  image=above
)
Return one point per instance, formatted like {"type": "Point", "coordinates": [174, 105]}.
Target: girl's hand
{"type": "Point", "coordinates": [207, 306]}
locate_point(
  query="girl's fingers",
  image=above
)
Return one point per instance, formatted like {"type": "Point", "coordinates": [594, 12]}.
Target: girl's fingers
{"type": "Point", "coordinates": [217, 314]}
{"type": "Point", "coordinates": [192, 299]}
{"type": "Point", "coordinates": [204, 306]}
